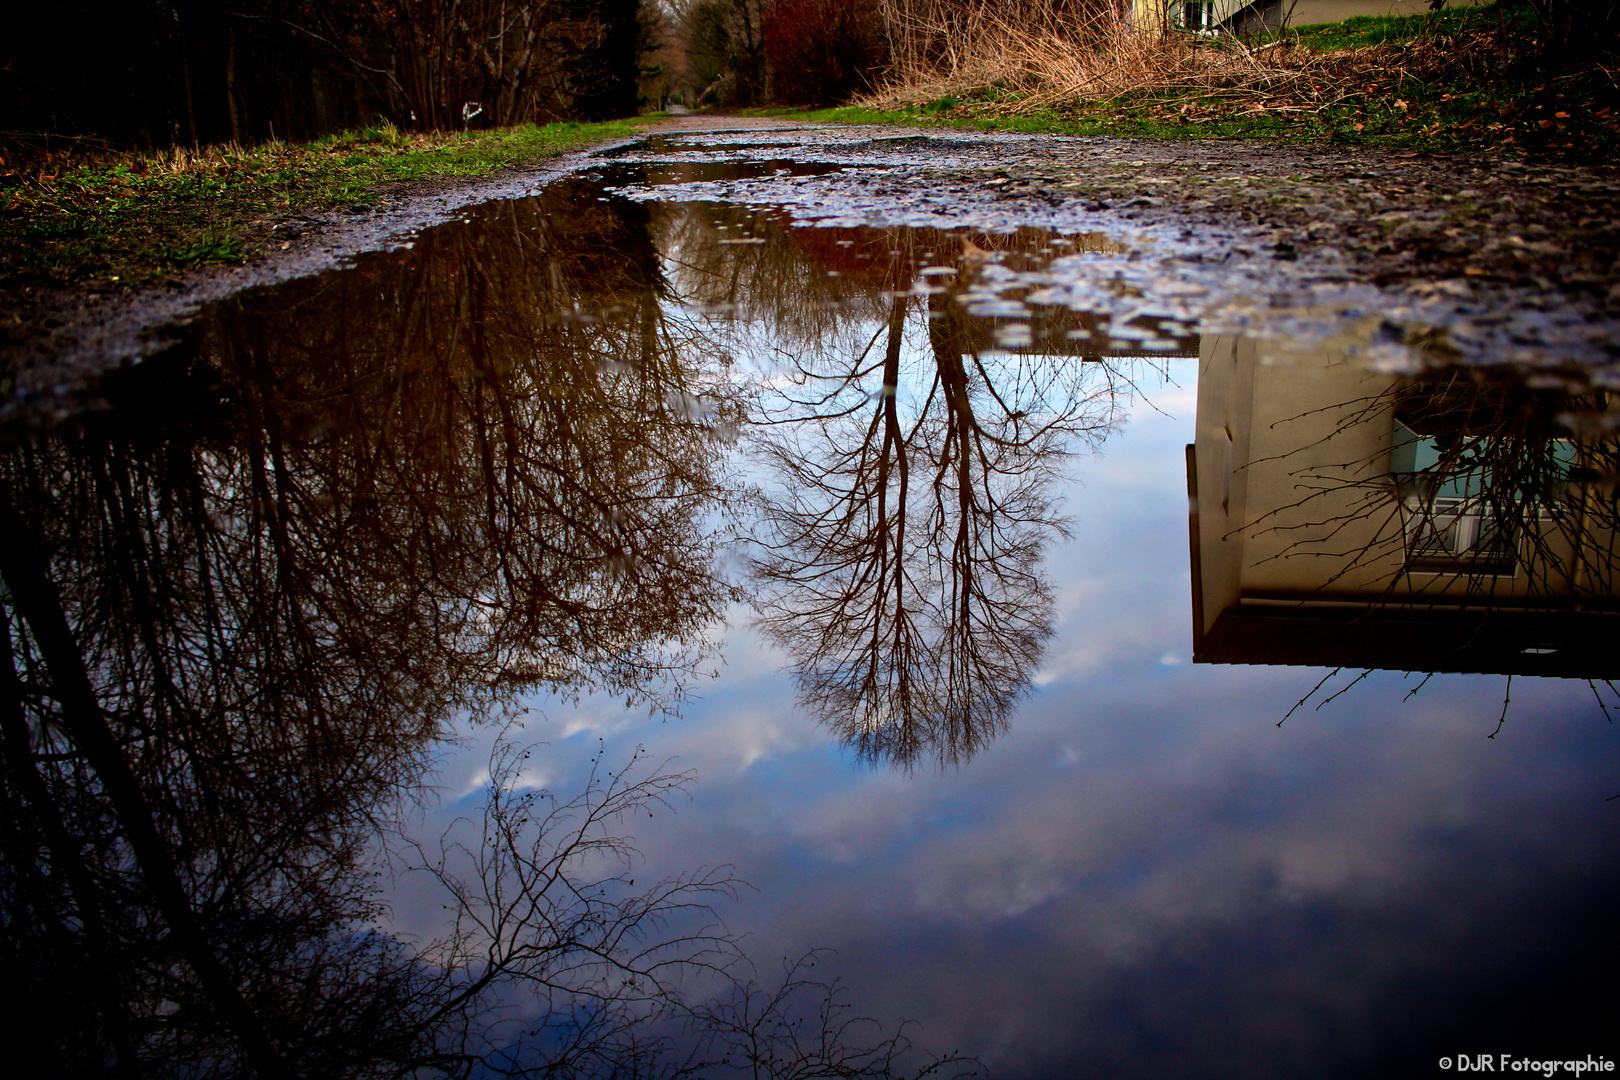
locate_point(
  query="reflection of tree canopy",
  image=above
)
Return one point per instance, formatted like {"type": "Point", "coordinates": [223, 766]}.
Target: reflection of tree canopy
{"type": "Point", "coordinates": [540, 448]}
{"type": "Point", "coordinates": [241, 606]}
{"type": "Point", "coordinates": [900, 542]}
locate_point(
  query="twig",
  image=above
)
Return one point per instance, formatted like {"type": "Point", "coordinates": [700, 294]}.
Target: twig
{"type": "Point", "coordinates": [1307, 697]}
{"type": "Point", "coordinates": [1506, 696]}
{"type": "Point", "coordinates": [1418, 687]}
{"type": "Point", "coordinates": [1593, 684]}
{"type": "Point", "coordinates": [1357, 679]}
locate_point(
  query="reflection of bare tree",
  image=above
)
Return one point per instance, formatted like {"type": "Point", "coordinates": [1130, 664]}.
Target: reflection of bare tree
{"type": "Point", "coordinates": [899, 551]}
{"type": "Point", "coordinates": [804, 1027]}
{"type": "Point", "coordinates": [545, 450]}
{"type": "Point", "coordinates": [241, 607]}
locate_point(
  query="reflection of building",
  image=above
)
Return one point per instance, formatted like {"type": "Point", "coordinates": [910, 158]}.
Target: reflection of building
{"type": "Point", "coordinates": [1342, 518]}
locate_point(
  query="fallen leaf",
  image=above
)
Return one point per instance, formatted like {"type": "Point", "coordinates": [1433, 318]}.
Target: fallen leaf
{"type": "Point", "coordinates": [1562, 115]}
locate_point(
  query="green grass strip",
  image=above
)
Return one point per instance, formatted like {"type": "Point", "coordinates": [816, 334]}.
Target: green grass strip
{"type": "Point", "coordinates": [70, 217]}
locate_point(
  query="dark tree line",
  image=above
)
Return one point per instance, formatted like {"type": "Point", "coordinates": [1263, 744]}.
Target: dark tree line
{"type": "Point", "coordinates": [742, 52]}
{"type": "Point", "coordinates": [168, 72]}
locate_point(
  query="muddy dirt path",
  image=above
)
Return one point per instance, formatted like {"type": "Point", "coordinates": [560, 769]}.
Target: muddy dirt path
{"type": "Point", "coordinates": [1483, 259]}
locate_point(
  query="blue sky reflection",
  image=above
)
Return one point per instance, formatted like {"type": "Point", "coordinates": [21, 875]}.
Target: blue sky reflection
{"type": "Point", "coordinates": [1146, 876]}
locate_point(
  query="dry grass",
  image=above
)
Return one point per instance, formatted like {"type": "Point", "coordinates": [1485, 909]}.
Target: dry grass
{"type": "Point", "coordinates": [1042, 56]}
{"type": "Point", "coordinates": [1455, 81]}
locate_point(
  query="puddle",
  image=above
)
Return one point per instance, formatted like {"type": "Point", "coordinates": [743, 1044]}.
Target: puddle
{"type": "Point", "coordinates": [919, 470]}
{"type": "Point", "coordinates": [653, 174]}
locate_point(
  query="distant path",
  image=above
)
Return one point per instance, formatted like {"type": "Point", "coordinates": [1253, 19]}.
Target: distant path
{"type": "Point", "coordinates": [688, 121]}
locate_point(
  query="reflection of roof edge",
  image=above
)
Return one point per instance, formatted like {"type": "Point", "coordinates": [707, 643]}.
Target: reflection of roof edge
{"type": "Point", "coordinates": [1556, 644]}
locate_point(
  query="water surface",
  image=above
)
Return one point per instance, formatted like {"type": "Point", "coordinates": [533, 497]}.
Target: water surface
{"type": "Point", "coordinates": [1116, 688]}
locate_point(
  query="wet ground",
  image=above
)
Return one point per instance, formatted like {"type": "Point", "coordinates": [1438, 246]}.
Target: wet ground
{"type": "Point", "coordinates": [1148, 608]}
{"type": "Point", "coordinates": [1484, 259]}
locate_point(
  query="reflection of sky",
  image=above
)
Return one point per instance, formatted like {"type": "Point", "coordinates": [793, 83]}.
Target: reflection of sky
{"type": "Point", "coordinates": [1146, 876]}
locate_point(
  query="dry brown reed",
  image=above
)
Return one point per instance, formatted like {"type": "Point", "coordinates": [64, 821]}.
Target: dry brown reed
{"type": "Point", "coordinates": [1045, 54]}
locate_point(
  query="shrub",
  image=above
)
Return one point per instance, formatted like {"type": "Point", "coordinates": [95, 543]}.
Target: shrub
{"type": "Point", "coordinates": [820, 52]}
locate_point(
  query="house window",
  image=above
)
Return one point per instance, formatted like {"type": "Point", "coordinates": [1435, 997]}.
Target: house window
{"type": "Point", "coordinates": [1457, 534]}
{"type": "Point", "coordinates": [1451, 523]}
{"type": "Point", "coordinates": [1194, 15]}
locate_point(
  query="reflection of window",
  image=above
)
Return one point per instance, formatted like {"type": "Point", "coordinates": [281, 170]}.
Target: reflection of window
{"type": "Point", "coordinates": [1442, 532]}
{"type": "Point", "coordinates": [1449, 523]}
{"type": "Point", "coordinates": [1420, 463]}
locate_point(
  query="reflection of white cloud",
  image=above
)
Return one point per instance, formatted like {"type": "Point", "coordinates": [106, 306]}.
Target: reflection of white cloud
{"type": "Point", "coordinates": [745, 737]}
{"type": "Point", "coordinates": [530, 780]}
{"type": "Point", "coordinates": [477, 782]}
{"type": "Point", "coordinates": [1143, 816]}
{"type": "Point", "coordinates": [527, 780]}
{"type": "Point", "coordinates": [1007, 892]}
{"type": "Point", "coordinates": [1184, 818]}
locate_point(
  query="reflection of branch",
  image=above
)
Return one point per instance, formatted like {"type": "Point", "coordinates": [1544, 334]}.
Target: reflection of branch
{"type": "Point", "coordinates": [544, 902]}
{"type": "Point", "coordinates": [1336, 693]}
{"type": "Point", "coordinates": [1308, 695]}
{"type": "Point", "coordinates": [1425, 682]}
{"type": "Point", "coordinates": [805, 1028]}
{"type": "Point", "coordinates": [545, 907]}
{"type": "Point", "coordinates": [1507, 696]}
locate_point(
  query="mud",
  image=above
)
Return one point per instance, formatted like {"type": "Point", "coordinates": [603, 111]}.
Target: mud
{"type": "Point", "coordinates": [1483, 260]}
